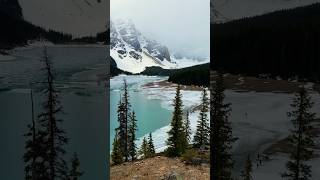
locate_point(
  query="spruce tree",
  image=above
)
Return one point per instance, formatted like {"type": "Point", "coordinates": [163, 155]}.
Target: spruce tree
{"type": "Point", "coordinates": [201, 138]}
{"type": "Point", "coordinates": [116, 154]}
{"type": "Point", "coordinates": [132, 136]}
{"type": "Point", "coordinates": [75, 171]}
{"type": "Point", "coordinates": [126, 113]}
{"type": "Point", "coordinates": [221, 138]}
{"type": "Point", "coordinates": [53, 136]}
{"type": "Point", "coordinates": [300, 138]}
{"type": "Point", "coordinates": [34, 157]}
{"type": "Point", "coordinates": [151, 146]}
{"type": "Point", "coordinates": [121, 130]}
{"type": "Point", "coordinates": [247, 173]}
{"type": "Point", "coordinates": [177, 142]}
{"type": "Point", "coordinates": [144, 149]}
{"type": "Point", "coordinates": [187, 127]}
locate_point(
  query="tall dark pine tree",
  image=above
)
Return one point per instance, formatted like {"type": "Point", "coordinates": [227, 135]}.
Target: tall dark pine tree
{"type": "Point", "coordinates": [201, 138]}
{"type": "Point", "coordinates": [121, 130]}
{"type": "Point", "coordinates": [300, 138]}
{"type": "Point", "coordinates": [221, 138]}
{"type": "Point", "coordinates": [75, 171]}
{"type": "Point", "coordinates": [187, 128]}
{"type": "Point", "coordinates": [116, 154]}
{"type": "Point", "coordinates": [132, 136]}
{"type": "Point", "coordinates": [177, 142]}
{"type": "Point", "coordinates": [54, 136]}
{"type": "Point", "coordinates": [34, 156]}
{"type": "Point", "coordinates": [126, 111]}
{"type": "Point", "coordinates": [151, 146]}
{"type": "Point", "coordinates": [247, 173]}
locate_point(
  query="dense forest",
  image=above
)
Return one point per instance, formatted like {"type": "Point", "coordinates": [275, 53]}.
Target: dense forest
{"type": "Point", "coordinates": [284, 43]}
{"type": "Point", "coordinates": [15, 31]}
{"type": "Point", "coordinates": [194, 75]}
{"type": "Point", "coordinates": [100, 37]}
{"type": "Point", "coordinates": [157, 71]}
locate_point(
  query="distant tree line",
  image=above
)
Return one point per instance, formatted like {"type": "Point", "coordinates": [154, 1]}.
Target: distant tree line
{"type": "Point", "coordinates": [16, 31]}
{"type": "Point", "coordinates": [198, 75]}
{"type": "Point", "coordinates": [102, 37]}
{"type": "Point", "coordinates": [285, 43]}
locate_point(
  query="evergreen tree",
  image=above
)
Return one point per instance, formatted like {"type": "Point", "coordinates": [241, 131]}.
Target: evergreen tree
{"type": "Point", "coordinates": [177, 142]}
{"type": "Point", "coordinates": [132, 136]}
{"type": "Point", "coordinates": [247, 173]}
{"type": "Point", "coordinates": [34, 155]}
{"type": "Point", "coordinates": [151, 146]}
{"type": "Point", "coordinates": [221, 138]}
{"type": "Point", "coordinates": [187, 128]}
{"type": "Point", "coordinates": [127, 126]}
{"type": "Point", "coordinates": [300, 138]}
{"type": "Point", "coordinates": [75, 171]}
{"type": "Point", "coordinates": [144, 150]}
{"type": "Point", "coordinates": [116, 155]}
{"type": "Point", "coordinates": [126, 112]}
{"type": "Point", "coordinates": [53, 136]}
{"type": "Point", "coordinates": [122, 127]}
{"type": "Point", "coordinates": [201, 138]}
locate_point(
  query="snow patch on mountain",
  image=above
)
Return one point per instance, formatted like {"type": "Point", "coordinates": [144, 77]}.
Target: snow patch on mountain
{"type": "Point", "coordinates": [133, 52]}
{"type": "Point", "coordinates": [77, 17]}
{"type": "Point", "coordinates": [225, 10]}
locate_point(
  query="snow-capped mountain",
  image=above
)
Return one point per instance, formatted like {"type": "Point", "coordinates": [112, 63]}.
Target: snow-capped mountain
{"type": "Point", "coordinates": [77, 17]}
{"type": "Point", "coordinates": [133, 52]}
{"type": "Point", "coordinates": [225, 10]}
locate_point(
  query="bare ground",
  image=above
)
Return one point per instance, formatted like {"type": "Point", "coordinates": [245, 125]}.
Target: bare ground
{"type": "Point", "coordinates": [159, 167]}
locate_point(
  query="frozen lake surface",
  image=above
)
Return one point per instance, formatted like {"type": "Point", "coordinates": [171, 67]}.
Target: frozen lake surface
{"type": "Point", "coordinates": [82, 95]}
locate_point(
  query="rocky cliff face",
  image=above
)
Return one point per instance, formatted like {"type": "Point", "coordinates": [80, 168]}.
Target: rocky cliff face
{"type": "Point", "coordinates": [133, 52]}
{"type": "Point", "coordinates": [130, 42]}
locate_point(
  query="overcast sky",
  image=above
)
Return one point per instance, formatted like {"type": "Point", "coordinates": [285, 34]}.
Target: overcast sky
{"type": "Point", "coordinates": [181, 25]}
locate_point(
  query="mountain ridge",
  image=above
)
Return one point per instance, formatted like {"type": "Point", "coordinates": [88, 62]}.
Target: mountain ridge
{"type": "Point", "coordinates": [133, 52]}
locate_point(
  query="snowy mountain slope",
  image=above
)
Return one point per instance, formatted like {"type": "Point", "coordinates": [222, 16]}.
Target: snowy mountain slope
{"type": "Point", "coordinates": [78, 17]}
{"type": "Point", "coordinates": [133, 52]}
{"type": "Point", "coordinates": [225, 10]}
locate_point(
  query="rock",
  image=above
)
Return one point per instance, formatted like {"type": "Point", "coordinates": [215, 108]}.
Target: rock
{"type": "Point", "coordinates": [174, 176]}
{"type": "Point", "coordinates": [135, 177]}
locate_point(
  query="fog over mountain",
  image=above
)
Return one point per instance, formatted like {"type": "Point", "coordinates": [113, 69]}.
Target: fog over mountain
{"type": "Point", "coordinates": [181, 25]}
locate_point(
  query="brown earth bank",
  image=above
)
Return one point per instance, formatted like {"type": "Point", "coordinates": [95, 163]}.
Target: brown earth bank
{"type": "Point", "coordinates": [167, 84]}
{"type": "Point", "coordinates": [246, 83]}
{"type": "Point", "coordinates": [263, 84]}
{"type": "Point", "coordinates": [159, 168]}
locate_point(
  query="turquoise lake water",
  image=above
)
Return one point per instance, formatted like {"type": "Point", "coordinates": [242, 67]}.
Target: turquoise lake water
{"type": "Point", "coordinates": [150, 114]}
